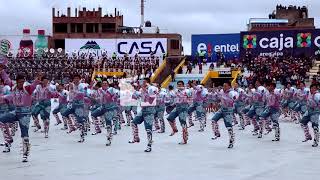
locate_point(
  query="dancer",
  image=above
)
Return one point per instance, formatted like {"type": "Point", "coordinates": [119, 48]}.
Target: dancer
{"type": "Point", "coordinates": [301, 105]}
{"type": "Point", "coordinates": [160, 108]}
{"type": "Point", "coordinates": [96, 103]}
{"type": "Point", "coordinates": [169, 102]}
{"type": "Point", "coordinates": [227, 97]}
{"type": "Point", "coordinates": [148, 102]}
{"type": "Point", "coordinates": [258, 104]}
{"type": "Point", "coordinates": [272, 109]}
{"type": "Point", "coordinates": [44, 105]}
{"type": "Point", "coordinates": [75, 107]}
{"type": "Point", "coordinates": [312, 115]}
{"type": "Point", "coordinates": [62, 96]}
{"type": "Point", "coordinates": [199, 95]}
{"type": "Point", "coordinates": [239, 105]}
{"type": "Point", "coordinates": [21, 98]}
{"type": "Point", "coordinates": [107, 110]}
{"type": "Point", "coordinates": [182, 97]}
{"type": "Point", "coordinates": [5, 90]}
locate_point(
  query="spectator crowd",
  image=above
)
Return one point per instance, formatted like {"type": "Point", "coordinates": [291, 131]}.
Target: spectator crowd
{"type": "Point", "coordinates": [61, 68]}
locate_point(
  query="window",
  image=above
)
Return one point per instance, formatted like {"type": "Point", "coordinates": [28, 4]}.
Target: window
{"type": "Point", "coordinates": [175, 44]}
{"type": "Point", "coordinates": [108, 27]}
{"type": "Point", "coordinates": [89, 28]}
{"type": "Point", "coordinates": [61, 28]}
{"type": "Point", "coordinates": [92, 28]}
{"type": "Point", "coordinates": [79, 28]}
{"type": "Point", "coordinates": [73, 28]}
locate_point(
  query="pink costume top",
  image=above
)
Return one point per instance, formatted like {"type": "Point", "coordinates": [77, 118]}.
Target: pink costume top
{"type": "Point", "coordinates": [77, 94]}
{"type": "Point", "coordinates": [182, 96]}
{"type": "Point", "coordinates": [107, 95]}
{"type": "Point", "coordinates": [63, 97]}
{"type": "Point", "coordinates": [95, 97]}
{"type": "Point", "coordinates": [273, 100]}
{"type": "Point", "coordinates": [20, 98]}
{"type": "Point", "coordinates": [302, 96]}
{"type": "Point", "coordinates": [226, 98]}
{"type": "Point", "coordinates": [44, 93]}
{"type": "Point", "coordinates": [258, 98]}
{"type": "Point", "coordinates": [161, 98]}
{"type": "Point", "coordinates": [148, 96]}
{"type": "Point", "coordinates": [199, 94]}
{"type": "Point", "coordinates": [313, 103]}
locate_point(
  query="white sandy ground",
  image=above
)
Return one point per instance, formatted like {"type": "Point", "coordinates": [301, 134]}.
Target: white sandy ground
{"type": "Point", "coordinates": [61, 157]}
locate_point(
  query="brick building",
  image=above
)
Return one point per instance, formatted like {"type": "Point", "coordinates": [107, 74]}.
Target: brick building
{"type": "Point", "coordinates": [86, 24]}
{"type": "Point", "coordinates": [283, 18]}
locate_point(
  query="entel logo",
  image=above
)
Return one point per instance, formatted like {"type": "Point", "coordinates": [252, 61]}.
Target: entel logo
{"type": "Point", "coordinates": [146, 47]}
{"type": "Point", "coordinates": [282, 42]}
{"type": "Point", "coordinates": [225, 48]}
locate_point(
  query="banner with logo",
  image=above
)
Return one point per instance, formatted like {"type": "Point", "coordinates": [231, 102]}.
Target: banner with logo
{"type": "Point", "coordinates": [96, 47]}
{"type": "Point", "coordinates": [13, 43]}
{"type": "Point", "coordinates": [227, 44]}
{"type": "Point", "coordinates": [295, 43]}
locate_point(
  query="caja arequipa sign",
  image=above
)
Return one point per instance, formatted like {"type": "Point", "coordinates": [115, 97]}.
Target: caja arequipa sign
{"type": "Point", "coordinates": [280, 43]}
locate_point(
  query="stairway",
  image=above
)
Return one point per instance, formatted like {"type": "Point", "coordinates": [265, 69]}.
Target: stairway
{"type": "Point", "coordinates": [171, 63]}
{"type": "Point", "coordinates": [314, 70]}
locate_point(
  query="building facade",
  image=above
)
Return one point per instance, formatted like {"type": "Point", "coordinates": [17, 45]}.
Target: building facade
{"type": "Point", "coordinates": [86, 24]}
{"type": "Point", "coordinates": [283, 18]}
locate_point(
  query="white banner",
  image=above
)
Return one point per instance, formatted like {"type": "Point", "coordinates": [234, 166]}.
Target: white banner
{"type": "Point", "coordinates": [121, 46]}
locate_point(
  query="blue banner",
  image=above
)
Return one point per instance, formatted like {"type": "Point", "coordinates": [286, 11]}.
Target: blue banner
{"type": "Point", "coordinates": [296, 43]}
{"type": "Point", "coordinates": [216, 45]}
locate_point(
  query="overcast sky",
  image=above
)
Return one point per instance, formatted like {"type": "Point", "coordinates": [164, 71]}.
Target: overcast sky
{"type": "Point", "coordinates": [177, 16]}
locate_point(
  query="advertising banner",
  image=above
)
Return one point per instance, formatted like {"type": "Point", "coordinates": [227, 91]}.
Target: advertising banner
{"type": "Point", "coordinates": [294, 43]}
{"type": "Point", "coordinates": [15, 45]}
{"type": "Point", "coordinates": [210, 44]}
{"type": "Point", "coordinates": [142, 47]}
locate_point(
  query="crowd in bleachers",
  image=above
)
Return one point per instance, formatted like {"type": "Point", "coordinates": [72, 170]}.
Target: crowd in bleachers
{"type": "Point", "coordinates": [266, 69]}
{"type": "Point", "coordinates": [61, 68]}
{"type": "Point", "coordinates": [131, 66]}
{"type": "Point", "coordinates": [54, 69]}
{"type": "Point", "coordinates": [277, 69]}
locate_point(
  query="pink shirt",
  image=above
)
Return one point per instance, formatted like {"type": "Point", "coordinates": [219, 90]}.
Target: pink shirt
{"type": "Point", "coordinates": [23, 98]}
{"type": "Point", "coordinates": [273, 100]}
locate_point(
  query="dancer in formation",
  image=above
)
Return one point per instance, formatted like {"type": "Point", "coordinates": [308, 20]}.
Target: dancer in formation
{"type": "Point", "coordinates": [21, 98]}
{"type": "Point", "coordinates": [5, 90]}
{"type": "Point", "coordinates": [169, 102]}
{"type": "Point", "coordinates": [239, 105]}
{"type": "Point", "coordinates": [107, 110]}
{"type": "Point", "coordinates": [96, 103]}
{"type": "Point", "coordinates": [227, 98]}
{"type": "Point", "coordinates": [272, 110]}
{"type": "Point", "coordinates": [43, 107]}
{"type": "Point", "coordinates": [258, 104]}
{"type": "Point", "coordinates": [160, 108]}
{"type": "Point", "coordinates": [182, 98]}
{"type": "Point", "coordinates": [147, 96]}
{"type": "Point", "coordinates": [312, 115]}
{"type": "Point", "coordinates": [199, 96]}
{"type": "Point", "coordinates": [301, 105]}
{"type": "Point", "coordinates": [62, 96]}
{"type": "Point", "coordinates": [75, 109]}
